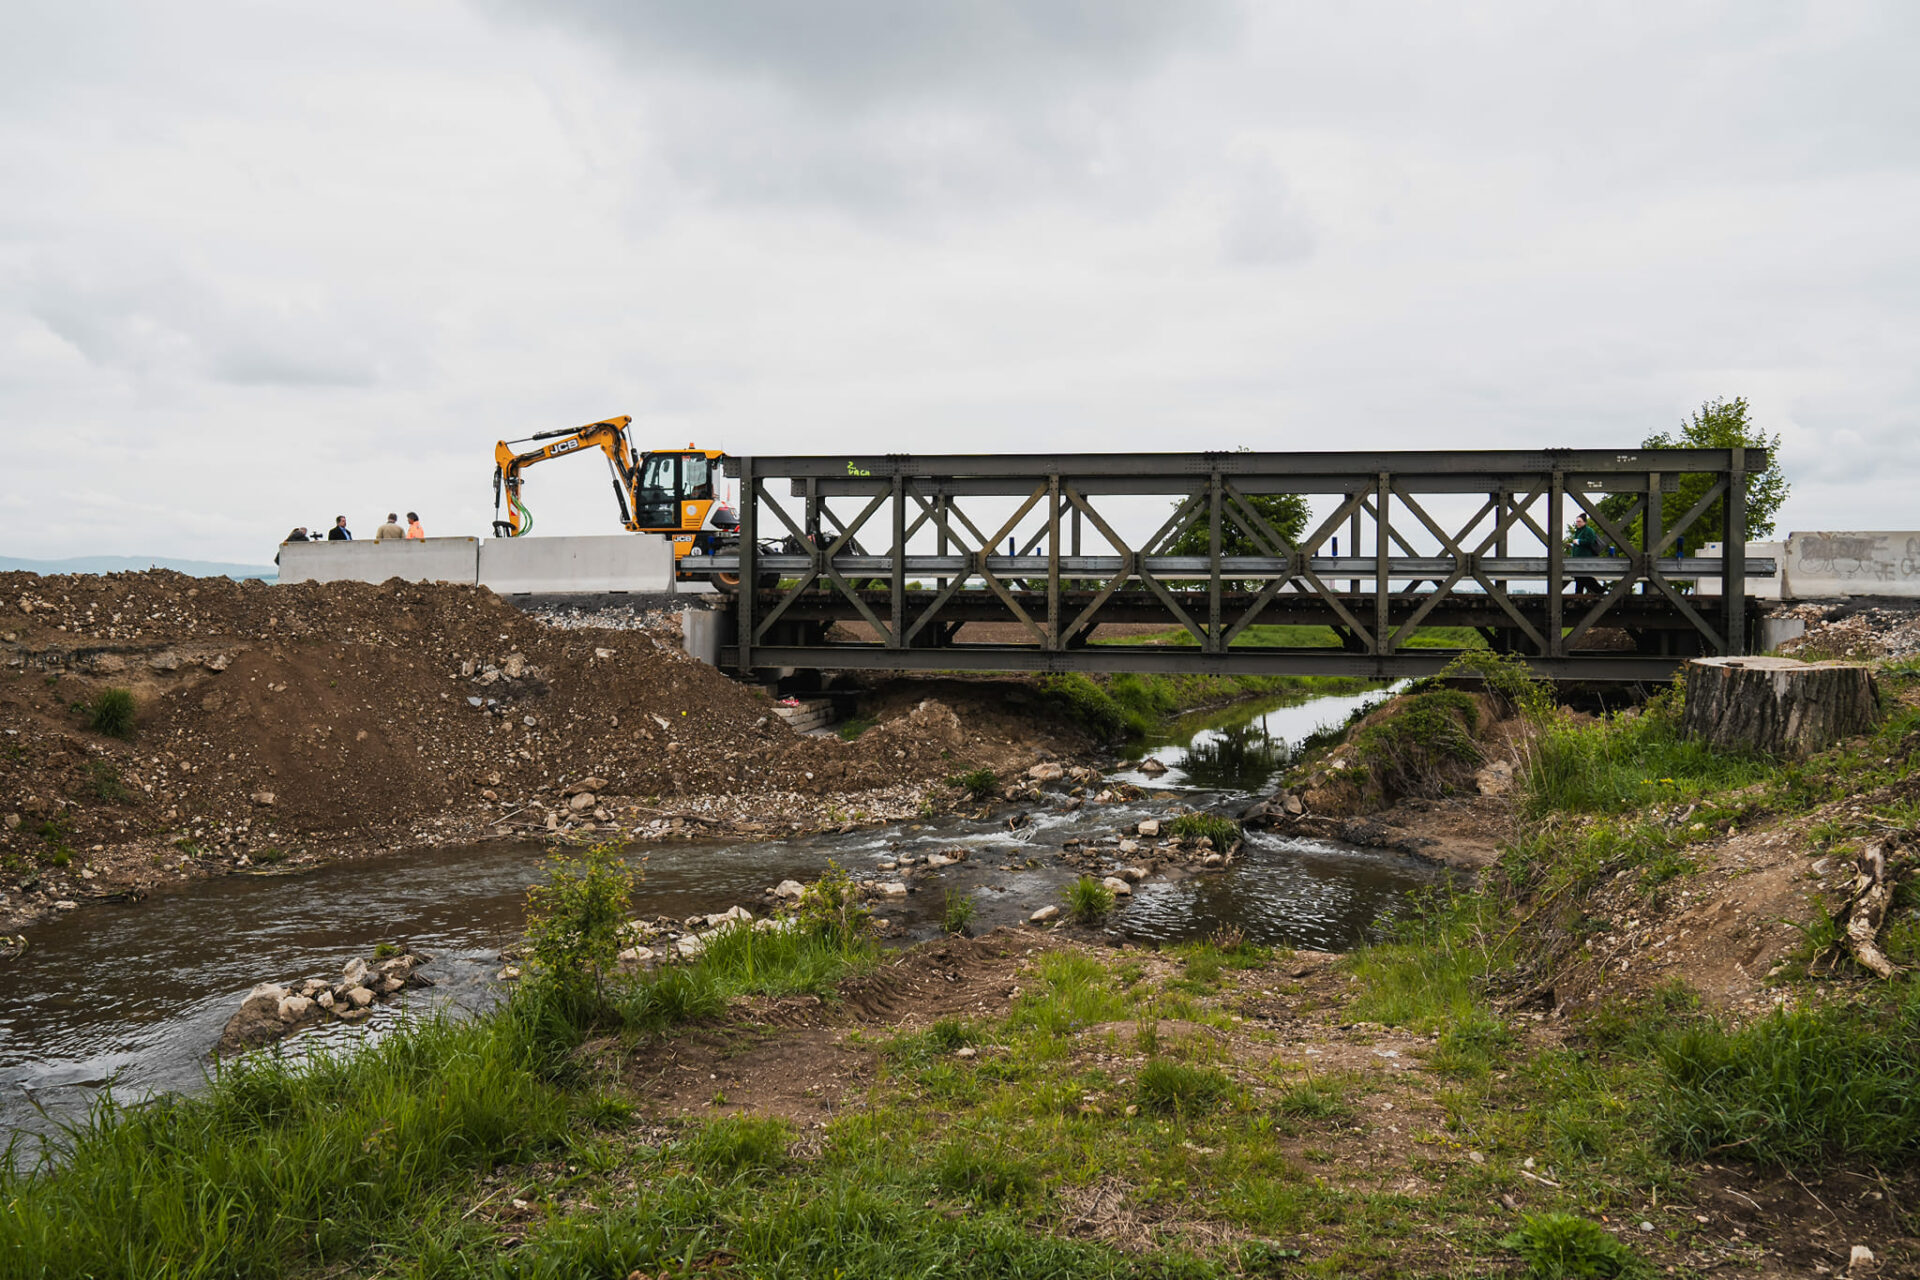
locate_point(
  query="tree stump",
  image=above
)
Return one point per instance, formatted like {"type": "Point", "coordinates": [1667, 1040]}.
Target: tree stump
{"type": "Point", "coordinates": [1777, 705]}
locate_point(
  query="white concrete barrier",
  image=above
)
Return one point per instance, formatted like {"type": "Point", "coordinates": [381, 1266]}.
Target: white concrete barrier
{"type": "Point", "coordinates": [1759, 586]}
{"type": "Point", "coordinates": [1825, 564]}
{"type": "Point", "coordinates": [413, 560]}
{"type": "Point", "coordinates": [622, 562]}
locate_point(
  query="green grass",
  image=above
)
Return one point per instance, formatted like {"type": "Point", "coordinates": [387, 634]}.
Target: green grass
{"type": "Point", "coordinates": [111, 712]}
{"type": "Point", "coordinates": [739, 961]}
{"type": "Point", "coordinates": [1827, 1082]}
{"type": "Point", "coordinates": [1628, 761]}
{"type": "Point", "coordinates": [282, 1165]}
{"type": "Point", "coordinates": [1308, 637]}
{"type": "Point", "coordinates": [851, 729]}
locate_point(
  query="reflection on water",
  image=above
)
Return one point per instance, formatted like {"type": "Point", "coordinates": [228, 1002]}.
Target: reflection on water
{"type": "Point", "coordinates": [1246, 747]}
{"type": "Point", "coordinates": [1283, 891]}
{"type": "Point", "coordinates": [1241, 757]}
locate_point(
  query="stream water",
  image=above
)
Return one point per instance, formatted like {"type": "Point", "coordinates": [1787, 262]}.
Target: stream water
{"type": "Point", "coordinates": [135, 996]}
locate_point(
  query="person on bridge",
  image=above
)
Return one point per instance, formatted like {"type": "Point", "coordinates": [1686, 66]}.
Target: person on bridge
{"type": "Point", "coordinates": [413, 526]}
{"type": "Point", "coordinates": [1585, 546]}
{"type": "Point", "coordinates": [339, 532]}
{"type": "Point", "coordinates": [391, 530]}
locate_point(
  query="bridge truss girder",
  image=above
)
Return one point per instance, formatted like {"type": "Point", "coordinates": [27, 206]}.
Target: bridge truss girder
{"type": "Point", "coordinates": [1056, 592]}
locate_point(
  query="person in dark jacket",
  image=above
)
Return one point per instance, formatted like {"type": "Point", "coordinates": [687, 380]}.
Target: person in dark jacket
{"type": "Point", "coordinates": [1585, 545]}
{"type": "Point", "coordinates": [339, 532]}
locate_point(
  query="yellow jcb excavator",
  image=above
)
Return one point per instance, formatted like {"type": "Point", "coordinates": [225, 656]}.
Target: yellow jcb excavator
{"type": "Point", "coordinates": [668, 491]}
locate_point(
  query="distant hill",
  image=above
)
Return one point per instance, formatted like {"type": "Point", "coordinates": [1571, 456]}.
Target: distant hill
{"type": "Point", "coordinates": [121, 564]}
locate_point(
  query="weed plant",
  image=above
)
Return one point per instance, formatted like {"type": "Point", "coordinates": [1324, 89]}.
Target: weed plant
{"type": "Point", "coordinates": [111, 712]}
{"type": "Point", "coordinates": [1563, 1246]}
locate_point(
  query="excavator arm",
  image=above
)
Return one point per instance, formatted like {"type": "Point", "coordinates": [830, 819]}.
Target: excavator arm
{"type": "Point", "coordinates": [608, 435]}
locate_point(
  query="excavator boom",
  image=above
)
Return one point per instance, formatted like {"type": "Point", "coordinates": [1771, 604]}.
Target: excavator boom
{"type": "Point", "coordinates": [669, 492]}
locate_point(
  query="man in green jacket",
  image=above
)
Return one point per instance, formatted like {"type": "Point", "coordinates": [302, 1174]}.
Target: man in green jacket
{"type": "Point", "coordinates": [1585, 545]}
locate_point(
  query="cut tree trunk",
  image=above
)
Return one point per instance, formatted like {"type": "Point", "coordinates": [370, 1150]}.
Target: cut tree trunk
{"type": "Point", "coordinates": [1777, 705]}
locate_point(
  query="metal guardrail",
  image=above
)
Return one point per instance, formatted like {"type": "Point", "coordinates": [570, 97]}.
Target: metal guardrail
{"type": "Point", "coordinates": [1386, 504]}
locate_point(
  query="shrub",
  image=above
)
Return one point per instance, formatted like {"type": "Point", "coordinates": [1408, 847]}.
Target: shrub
{"type": "Point", "coordinates": [1089, 901]}
{"type": "Point", "coordinates": [1558, 1245]}
{"type": "Point", "coordinates": [1505, 675]}
{"type": "Point", "coordinates": [979, 783]}
{"type": "Point", "coordinates": [831, 908]}
{"type": "Point", "coordinates": [958, 916]}
{"type": "Point", "coordinates": [574, 919]}
{"type": "Point", "coordinates": [111, 712]}
{"type": "Point", "coordinates": [1175, 1087]}
{"type": "Point", "coordinates": [1224, 832]}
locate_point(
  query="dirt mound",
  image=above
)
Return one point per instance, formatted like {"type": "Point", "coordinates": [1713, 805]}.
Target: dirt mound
{"type": "Point", "coordinates": [317, 718]}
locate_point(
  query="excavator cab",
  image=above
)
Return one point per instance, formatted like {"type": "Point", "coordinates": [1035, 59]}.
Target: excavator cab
{"type": "Point", "coordinates": [675, 495]}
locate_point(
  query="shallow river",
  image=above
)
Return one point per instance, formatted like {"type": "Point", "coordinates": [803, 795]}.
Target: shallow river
{"type": "Point", "coordinates": [136, 995]}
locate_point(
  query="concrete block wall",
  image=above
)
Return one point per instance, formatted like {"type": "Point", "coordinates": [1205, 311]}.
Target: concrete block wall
{"type": "Point", "coordinates": [810, 714]}
{"type": "Point", "coordinates": [629, 563]}
{"type": "Point", "coordinates": [1827, 564]}
{"type": "Point", "coordinates": [416, 560]}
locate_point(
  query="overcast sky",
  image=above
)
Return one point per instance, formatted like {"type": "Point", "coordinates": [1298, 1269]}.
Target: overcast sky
{"type": "Point", "coordinates": [262, 263]}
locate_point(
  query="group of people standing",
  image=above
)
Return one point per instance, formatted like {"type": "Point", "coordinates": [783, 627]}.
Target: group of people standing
{"type": "Point", "coordinates": [387, 532]}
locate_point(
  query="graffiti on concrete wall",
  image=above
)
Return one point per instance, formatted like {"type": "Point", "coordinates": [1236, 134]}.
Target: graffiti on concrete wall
{"type": "Point", "coordinates": [1854, 563]}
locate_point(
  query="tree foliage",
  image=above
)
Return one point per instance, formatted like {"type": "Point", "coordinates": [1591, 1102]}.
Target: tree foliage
{"type": "Point", "coordinates": [1716, 424]}
{"type": "Point", "coordinates": [1285, 513]}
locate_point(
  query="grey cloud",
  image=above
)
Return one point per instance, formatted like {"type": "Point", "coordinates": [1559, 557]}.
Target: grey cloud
{"type": "Point", "coordinates": [169, 324]}
{"type": "Point", "coordinates": [854, 52]}
{"type": "Point", "coordinates": [1263, 225]}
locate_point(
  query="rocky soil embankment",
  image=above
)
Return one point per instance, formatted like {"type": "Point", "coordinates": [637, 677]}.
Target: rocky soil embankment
{"type": "Point", "coordinates": [284, 724]}
{"type": "Point", "coordinates": [1425, 774]}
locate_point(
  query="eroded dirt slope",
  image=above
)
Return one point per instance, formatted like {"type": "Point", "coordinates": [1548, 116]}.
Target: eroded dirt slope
{"type": "Point", "coordinates": [314, 719]}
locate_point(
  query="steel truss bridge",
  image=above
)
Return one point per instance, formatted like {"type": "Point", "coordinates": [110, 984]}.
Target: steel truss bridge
{"type": "Point", "coordinates": [882, 562]}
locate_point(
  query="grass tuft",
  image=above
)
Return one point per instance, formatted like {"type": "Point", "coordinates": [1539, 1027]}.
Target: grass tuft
{"type": "Point", "coordinates": [1179, 1089]}
{"type": "Point", "coordinates": [957, 915]}
{"type": "Point", "coordinates": [111, 712]}
{"type": "Point", "coordinates": [1088, 900]}
{"type": "Point", "coordinates": [1223, 832]}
